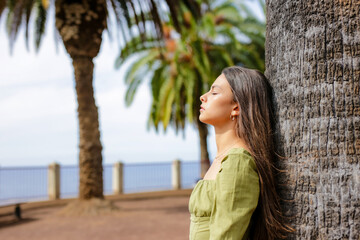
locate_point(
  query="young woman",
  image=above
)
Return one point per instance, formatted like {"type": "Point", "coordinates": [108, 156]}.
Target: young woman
{"type": "Point", "coordinates": [237, 197]}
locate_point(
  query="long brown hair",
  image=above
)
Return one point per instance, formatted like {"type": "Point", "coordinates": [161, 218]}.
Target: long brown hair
{"type": "Point", "coordinates": [256, 125]}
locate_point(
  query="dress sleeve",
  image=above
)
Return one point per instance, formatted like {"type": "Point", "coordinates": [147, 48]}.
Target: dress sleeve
{"type": "Point", "coordinates": [236, 197]}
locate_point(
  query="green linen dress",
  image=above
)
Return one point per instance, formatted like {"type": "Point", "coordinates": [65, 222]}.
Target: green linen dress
{"type": "Point", "coordinates": [221, 209]}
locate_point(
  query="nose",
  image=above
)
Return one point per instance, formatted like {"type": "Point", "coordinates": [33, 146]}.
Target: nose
{"type": "Point", "coordinates": [202, 98]}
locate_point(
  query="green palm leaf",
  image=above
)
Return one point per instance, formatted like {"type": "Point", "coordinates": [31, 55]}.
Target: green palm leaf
{"type": "Point", "coordinates": [40, 21]}
{"type": "Point", "coordinates": [224, 35]}
{"type": "Point", "coordinates": [136, 74]}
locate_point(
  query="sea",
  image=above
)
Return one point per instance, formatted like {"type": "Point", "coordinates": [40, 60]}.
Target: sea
{"type": "Point", "coordinates": [26, 184]}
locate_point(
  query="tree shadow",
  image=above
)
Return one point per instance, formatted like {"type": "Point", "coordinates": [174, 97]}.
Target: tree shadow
{"type": "Point", "coordinates": [13, 222]}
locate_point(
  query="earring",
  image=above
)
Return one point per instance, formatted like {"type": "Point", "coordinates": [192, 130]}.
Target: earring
{"type": "Point", "coordinates": [232, 118]}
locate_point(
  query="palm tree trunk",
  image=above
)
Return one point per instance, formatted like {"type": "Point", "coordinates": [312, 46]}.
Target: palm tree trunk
{"type": "Point", "coordinates": [80, 25]}
{"type": "Point", "coordinates": [90, 158]}
{"type": "Point", "coordinates": [312, 61]}
{"type": "Point", "coordinates": [204, 155]}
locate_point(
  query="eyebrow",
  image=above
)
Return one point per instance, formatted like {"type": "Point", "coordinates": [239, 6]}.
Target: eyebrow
{"type": "Point", "coordinates": [215, 86]}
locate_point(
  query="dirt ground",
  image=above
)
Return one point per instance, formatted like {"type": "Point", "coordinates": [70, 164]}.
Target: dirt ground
{"type": "Point", "coordinates": [157, 218]}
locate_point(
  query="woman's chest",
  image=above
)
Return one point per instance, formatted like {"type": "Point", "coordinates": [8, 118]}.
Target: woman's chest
{"type": "Point", "coordinates": [202, 198]}
{"type": "Point", "coordinates": [213, 171]}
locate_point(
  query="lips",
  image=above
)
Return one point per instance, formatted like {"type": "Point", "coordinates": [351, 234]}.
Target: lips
{"type": "Point", "coordinates": [202, 108]}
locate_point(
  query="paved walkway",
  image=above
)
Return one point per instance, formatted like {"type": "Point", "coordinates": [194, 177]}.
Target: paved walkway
{"type": "Point", "coordinates": [159, 217]}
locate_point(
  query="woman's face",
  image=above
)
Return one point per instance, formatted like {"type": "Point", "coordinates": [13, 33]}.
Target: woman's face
{"type": "Point", "coordinates": [217, 104]}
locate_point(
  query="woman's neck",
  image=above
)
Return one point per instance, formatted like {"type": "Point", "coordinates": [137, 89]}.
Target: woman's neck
{"type": "Point", "coordinates": [226, 138]}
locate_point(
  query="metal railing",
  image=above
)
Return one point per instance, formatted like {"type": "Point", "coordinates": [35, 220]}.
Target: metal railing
{"type": "Point", "coordinates": [69, 181]}
{"type": "Point", "coordinates": [147, 177]}
{"type": "Point", "coordinates": [23, 184]}
{"type": "Point", "coordinates": [107, 179]}
{"type": "Point", "coordinates": [190, 174]}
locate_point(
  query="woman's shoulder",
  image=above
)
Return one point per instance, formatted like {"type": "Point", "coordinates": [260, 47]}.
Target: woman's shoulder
{"type": "Point", "coordinates": [238, 172]}
{"type": "Point", "coordinates": [239, 156]}
{"type": "Point", "coordinates": [239, 151]}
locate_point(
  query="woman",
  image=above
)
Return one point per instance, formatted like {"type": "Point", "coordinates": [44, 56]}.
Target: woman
{"type": "Point", "coordinates": [237, 197]}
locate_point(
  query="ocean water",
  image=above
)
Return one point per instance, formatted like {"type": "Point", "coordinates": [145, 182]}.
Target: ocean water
{"type": "Point", "coordinates": [23, 184]}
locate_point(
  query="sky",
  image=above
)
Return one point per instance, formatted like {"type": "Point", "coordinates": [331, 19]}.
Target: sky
{"type": "Point", "coordinates": [38, 109]}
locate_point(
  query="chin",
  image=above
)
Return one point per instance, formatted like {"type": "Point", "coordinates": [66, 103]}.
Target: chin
{"type": "Point", "coordinates": [204, 120]}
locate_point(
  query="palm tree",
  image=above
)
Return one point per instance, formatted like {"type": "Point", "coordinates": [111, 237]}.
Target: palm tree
{"type": "Point", "coordinates": [185, 65]}
{"type": "Point", "coordinates": [80, 25]}
{"type": "Point", "coordinates": [312, 61]}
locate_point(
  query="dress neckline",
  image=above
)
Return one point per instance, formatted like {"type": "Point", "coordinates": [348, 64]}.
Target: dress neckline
{"type": "Point", "coordinates": [230, 150]}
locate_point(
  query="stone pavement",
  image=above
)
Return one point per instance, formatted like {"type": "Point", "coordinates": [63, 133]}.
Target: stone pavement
{"type": "Point", "coordinates": [159, 216]}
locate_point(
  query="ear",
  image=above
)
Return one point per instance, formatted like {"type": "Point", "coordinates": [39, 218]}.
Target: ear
{"type": "Point", "coordinates": [236, 110]}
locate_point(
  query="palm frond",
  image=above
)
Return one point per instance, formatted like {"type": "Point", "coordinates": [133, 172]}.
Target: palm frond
{"type": "Point", "coordinates": [189, 84]}
{"type": "Point", "coordinates": [28, 9]}
{"type": "Point", "coordinates": [206, 45]}
{"type": "Point", "coordinates": [131, 91]}
{"type": "Point", "coordinates": [157, 81]}
{"type": "Point", "coordinates": [156, 18]}
{"type": "Point", "coordinates": [168, 107]}
{"type": "Point", "coordinates": [209, 25]}
{"type": "Point", "coordinates": [136, 45]}
{"type": "Point", "coordinates": [13, 20]}
{"type": "Point", "coordinates": [141, 27]}
{"type": "Point", "coordinates": [136, 74]}
{"type": "Point", "coordinates": [175, 13]}
{"type": "Point", "coordinates": [228, 11]}
{"type": "Point", "coordinates": [164, 90]}
{"type": "Point", "coordinates": [2, 6]}
{"type": "Point", "coordinates": [40, 21]}
{"type": "Point", "coordinates": [194, 7]}
{"type": "Point", "coordinates": [146, 57]}
{"type": "Point", "coordinates": [126, 14]}
{"type": "Point", "coordinates": [118, 17]}
{"type": "Point", "coordinates": [142, 16]}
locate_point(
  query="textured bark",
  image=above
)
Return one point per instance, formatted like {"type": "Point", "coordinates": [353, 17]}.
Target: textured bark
{"type": "Point", "coordinates": [90, 159]}
{"type": "Point", "coordinates": [80, 24]}
{"type": "Point", "coordinates": [204, 155]}
{"type": "Point", "coordinates": [313, 63]}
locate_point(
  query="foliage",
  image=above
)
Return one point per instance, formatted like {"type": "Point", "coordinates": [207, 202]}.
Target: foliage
{"type": "Point", "coordinates": [128, 13]}
{"type": "Point", "coordinates": [80, 24]}
{"type": "Point", "coordinates": [184, 65]}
